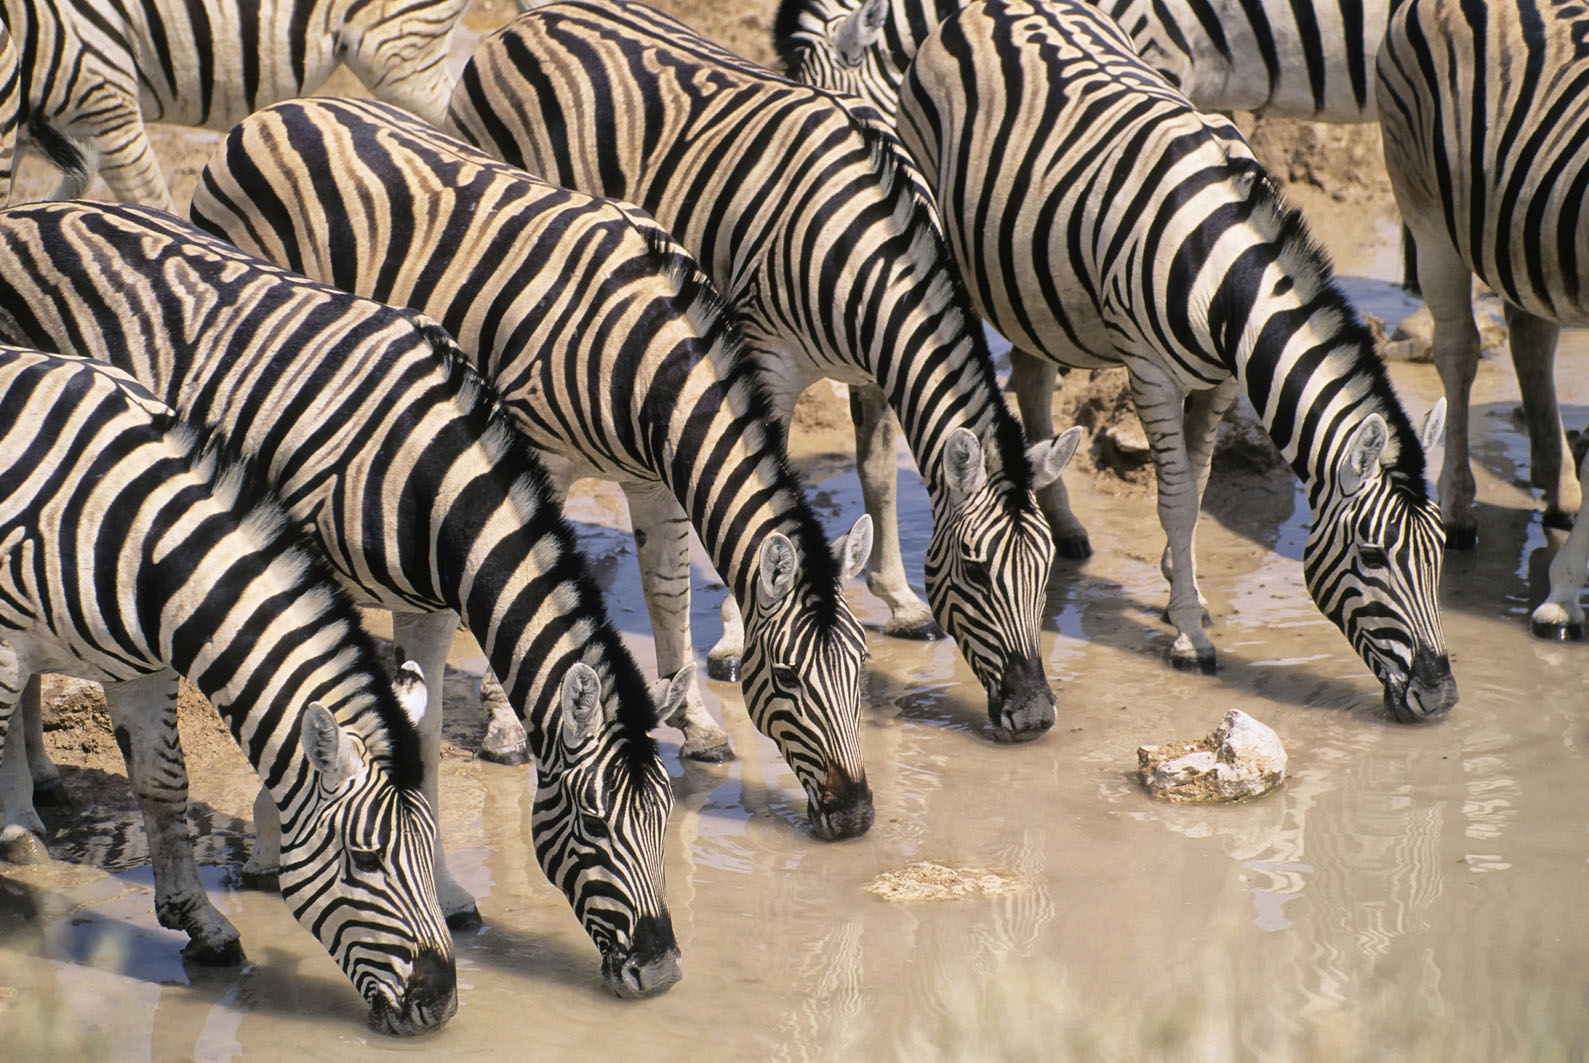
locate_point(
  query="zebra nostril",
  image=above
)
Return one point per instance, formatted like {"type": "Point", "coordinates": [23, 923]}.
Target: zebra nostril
{"type": "Point", "coordinates": [433, 980]}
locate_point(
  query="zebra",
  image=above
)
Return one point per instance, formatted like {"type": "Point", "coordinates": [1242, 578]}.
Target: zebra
{"type": "Point", "coordinates": [10, 106]}
{"type": "Point", "coordinates": [819, 233]}
{"type": "Point", "coordinates": [132, 551]}
{"type": "Point", "coordinates": [1483, 121]}
{"type": "Point", "coordinates": [386, 447]}
{"type": "Point", "coordinates": [1272, 57]}
{"type": "Point", "coordinates": [93, 73]}
{"type": "Point", "coordinates": [1113, 224]}
{"type": "Point", "coordinates": [613, 354]}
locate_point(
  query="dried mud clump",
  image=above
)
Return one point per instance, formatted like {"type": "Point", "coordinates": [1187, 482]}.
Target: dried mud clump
{"type": "Point", "coordinates": [927, 881]}
{"type": "Point", "coordinates": [1242, 758]}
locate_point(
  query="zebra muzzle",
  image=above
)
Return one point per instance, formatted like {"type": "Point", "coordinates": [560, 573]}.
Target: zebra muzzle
{"type": "Point", "coordinates": [430, 998]}
{"type": "Point", "coordinates": [1021, 707]}
{"type": "Point", "coordinates": [842, 807]}
{"type": "Point", "coordinates": [1430, 690]}
{"type": "Point", "coordinates": [650, 967]}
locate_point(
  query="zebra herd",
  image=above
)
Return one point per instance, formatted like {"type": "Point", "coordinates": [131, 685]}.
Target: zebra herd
{"type": "Point", "coordinates": [394, 332]}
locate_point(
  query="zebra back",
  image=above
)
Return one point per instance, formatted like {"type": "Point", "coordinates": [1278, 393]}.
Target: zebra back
{"type": "Point", "coordinates": [383, 442]}
{"type": "Point", "coordinates": [821, 235]}
{"type": "Point", "coordinates": [1484, 109]}
{"type": "Point", "coordinates": [92, 73]}
{"type": "Point", "coordinates": [1149, 237]}
{"type": "Point", "coordinates": [129, 545]}
{"type": "Point", "coordinates": [1273, 57]}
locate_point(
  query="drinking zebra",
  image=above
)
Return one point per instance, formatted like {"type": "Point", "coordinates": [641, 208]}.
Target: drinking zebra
{"type": "Point", "coordinates": [93, 73]}
{"type": "Point", "coordinates": [818, 233]}
{"type": "Point", "coordinates": [1484, 117]}
{"type": "Point", "coordinates": [1274, 57]}
{"type": "Point", "coordinates": [384, 444]}
{"type": "Point", "coordinates": [1107, 222]}
{"type": "Point", "coordinates": [131, 552]}
{"type": "Point", "coordinates": [614, 356]}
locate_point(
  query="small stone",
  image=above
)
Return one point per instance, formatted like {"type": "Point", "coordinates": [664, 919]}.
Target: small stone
{"type": "Point", "coordinates": [1242, 758]}
{"type": "Point", "coordinates": [928, 881]}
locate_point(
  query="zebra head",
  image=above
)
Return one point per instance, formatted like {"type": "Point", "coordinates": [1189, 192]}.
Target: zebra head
{"type": "Point", "coordinates": [1372, 563]}
{"type": "Point", "coordinates": [357, 870]}
{"type": "Point", "coordinates": [802, 678]}
{"type": "Point", "coordinates": [601, 812]}
{"type": "Point", "coordinates": [841, 46]}
{"type": "Point", "coordinates": [987, 576]}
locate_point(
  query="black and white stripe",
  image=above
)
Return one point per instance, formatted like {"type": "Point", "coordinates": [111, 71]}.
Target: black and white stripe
{"type": "Point", "coordinates": [1277, 57]}
{"type": "Point", "coordinates": [129, 554]}
{"type": "Point", "coordinates": [10, 109]}
{"type": "Point", "coordinates": [94, 72]}
{"type": "Point", "coordinates": [1484, 109]}
{"type": "Point", "coordinates": [1101, 220]}
{"type": "Point", "coordinates": [818, 232]}
{"type": "Point", "coordinates": [612, 353]}
{"type": "Point", "coordinates": [384, 444]}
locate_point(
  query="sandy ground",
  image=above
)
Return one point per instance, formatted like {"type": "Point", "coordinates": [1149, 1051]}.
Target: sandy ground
{"type": "Point", "coordinates": [1335, 174]}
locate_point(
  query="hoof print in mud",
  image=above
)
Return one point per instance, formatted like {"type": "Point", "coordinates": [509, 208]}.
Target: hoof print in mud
{"type": "Point", "coordinates": [1241, 758]}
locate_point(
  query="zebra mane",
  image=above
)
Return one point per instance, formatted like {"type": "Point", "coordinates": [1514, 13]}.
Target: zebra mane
{"type": "Point", "coordinates": [707, 312]}
{"type": "Point", "coordinates": [1314, 274]}
{"type": "Point", "coordinates": [785, 24]}
{"type": "Point", "coordinates": [241, 487]}
{"type": "Point", "coordinates": [493, 424]}
{"type": "Point", "coordinates": [901, 182]}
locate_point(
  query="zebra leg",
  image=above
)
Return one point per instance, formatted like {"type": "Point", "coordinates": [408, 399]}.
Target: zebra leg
{"type": "Point", "coordinates": [143, 714]}
{"type": "Point", "coordinates": [1448, 290]}
{"type": "Point", "coordinates": [1560, 616]}
{"type": "Point", "coordinates": [877, 464]}
{"type": "Point", "coordinates": [662, 541]}
{"type": "Point", "coordinates": [1033, 379]}
{"type": "Point", "coordinates": [425, 639]}
{"type": "Point", "coordinates": [1204, 411]}
{"type": "Point", "coordinates": [1533, 343]}
{"type": "Point", "coordinates": [21, 831]}
{"type": "Point", "coordinates": [1163, 409]}
{"type": "Point", "coordinates": [505, 741]}
{"type": "Point", "coordinates": [722, 660]}
{"type": "Point", "coordinates": [47, 788]}
{"type": "Point", "coordinates": [127, 160]}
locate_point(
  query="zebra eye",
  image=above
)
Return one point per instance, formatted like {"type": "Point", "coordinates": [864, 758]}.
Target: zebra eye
{"type": "Point", "coordinates": [593, 825]}
{"type": "Point", "coordinates": [785, 678]}
{"type": "Point", "coordinates": [367, 861]}
{"type": "Point", "coordinates": [1372, 556]}
{"type": "Point", "coordinates": [976, 569]}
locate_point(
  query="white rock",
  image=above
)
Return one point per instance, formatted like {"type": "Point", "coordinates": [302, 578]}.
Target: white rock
{"type": "Point", "coordinates": [1242, 758]}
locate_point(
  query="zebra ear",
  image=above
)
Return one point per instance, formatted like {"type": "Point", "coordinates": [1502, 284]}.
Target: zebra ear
{"type": "Point", "coordinates": [412, 694]}
{"type": "Point", "coordinates": [669, 695]}
{"type": "Point", "coordinates": [852, 550]}
{"type": "Point", "coordinates": [1360, 461]}
{"type": "Point", "coordinates": [964, 466]}
{"type": "Point", "coordinates": [328, 747]}
{"type": "Point", "coordinates": [860, 31]}
{"type": "Point", "coordinates": [1049, 458]}
{"type": "Point", "coordinates": [778, 565]}
{"type": "Point", "coordinates": [580, 699]}
{"type": "Point", "coordinates": [1434, 425]}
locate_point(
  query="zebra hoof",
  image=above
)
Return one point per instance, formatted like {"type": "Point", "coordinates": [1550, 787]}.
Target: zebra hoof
{"type": "Point", "coordinates": [721, 753]}
{"type": "Point", "coordinates": [1461, 537]}
{"type": "Point", "coordinates": [1555, 632]}
{"type": "Point", "coordinates": [1559, 519]}
{"type": "Point", "coordinates": [1205, 662]}
{"type": "Point", "coordinates": [18, 845]}
{"type": "Point", "coordinates": [1073, 547]}
{"type": "Point", "coordinates": [915, 630]}
{"type": "Point", "coordinates": [225, 953]}
{"type": "Point", "coordinates": [723, 669]}
{"type": "Point", "coordinates": [513, 756]}
{"type": "Point", "coordinates": [49, 792]}
{"type": "Point", "coordinates": [253, 878]}
{"type": "Point", "coordinates": [465, 919]}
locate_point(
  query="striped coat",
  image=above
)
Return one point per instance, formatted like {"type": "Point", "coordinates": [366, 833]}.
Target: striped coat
{"type": "Point", "coordinates": [130, 552]}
